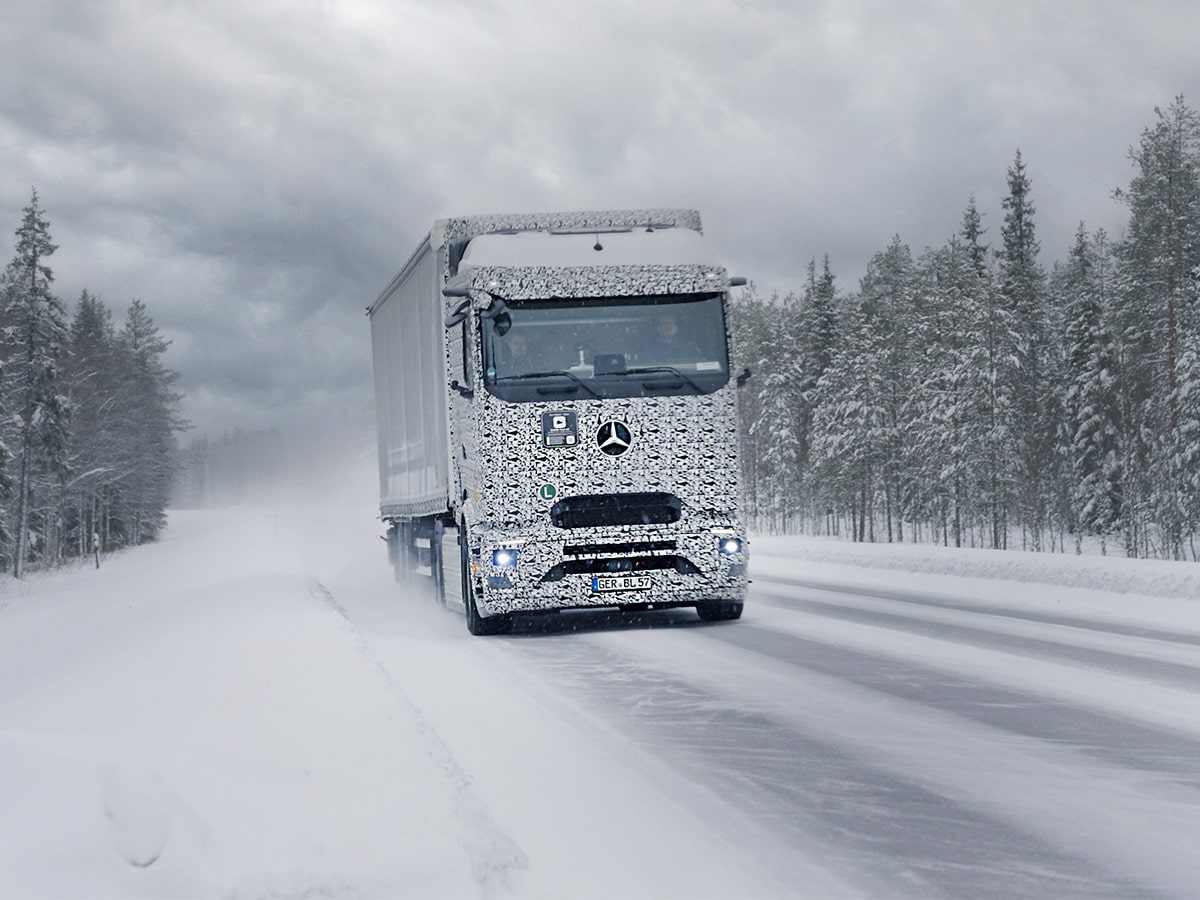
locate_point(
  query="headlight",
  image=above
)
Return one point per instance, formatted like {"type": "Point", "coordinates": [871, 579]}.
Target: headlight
{"type": "Point", "coordinates": [504, 558]}
{"type": "Point", "coordinates": [730, 546]}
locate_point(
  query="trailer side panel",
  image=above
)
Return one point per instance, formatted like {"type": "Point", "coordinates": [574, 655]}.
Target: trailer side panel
{"type": "Point", "coordinates": [410, 390]}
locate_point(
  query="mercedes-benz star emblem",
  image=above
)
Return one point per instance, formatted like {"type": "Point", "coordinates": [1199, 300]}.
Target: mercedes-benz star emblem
{"type": "Point", "coordinates": [614, 438]}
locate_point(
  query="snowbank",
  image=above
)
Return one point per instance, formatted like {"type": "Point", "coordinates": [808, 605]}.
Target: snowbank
{"type": "Point", "coordinates": [1151, 592]}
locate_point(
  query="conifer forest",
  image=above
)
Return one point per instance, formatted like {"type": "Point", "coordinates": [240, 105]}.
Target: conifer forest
{"type": "Point", "coordinates": [970, 396]}
{"type": "Point", "coordinates": [88, 417]}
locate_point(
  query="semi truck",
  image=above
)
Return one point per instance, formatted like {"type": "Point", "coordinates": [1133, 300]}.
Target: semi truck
{"type": "Point", "coordinates": [556, 405]}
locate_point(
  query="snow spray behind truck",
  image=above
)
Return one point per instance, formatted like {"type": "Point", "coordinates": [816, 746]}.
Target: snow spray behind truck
{"type": "Point", "coordinates": [557, 416]}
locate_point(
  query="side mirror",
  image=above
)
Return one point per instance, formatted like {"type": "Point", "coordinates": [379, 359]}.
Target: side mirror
{"type": "Point", "coordinates": [461, 390]}
{"type": "Point", "coordinates": [743, 378]}
{"type": "Point", "coordinates": [737, 281]}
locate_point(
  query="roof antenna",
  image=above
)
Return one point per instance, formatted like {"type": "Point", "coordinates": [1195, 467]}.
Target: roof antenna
{"type": "Point", "coordinates": [598, 245]}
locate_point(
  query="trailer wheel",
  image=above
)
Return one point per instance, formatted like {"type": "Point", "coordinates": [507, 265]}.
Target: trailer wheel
{"type": "Point", "coordinates": [719, 610]}
{"type": "Point", "coordinates": [477, 624]}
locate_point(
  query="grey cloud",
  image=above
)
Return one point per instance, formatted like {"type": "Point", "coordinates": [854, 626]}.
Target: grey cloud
{"type": "Point", "coordinates": [257, 172]}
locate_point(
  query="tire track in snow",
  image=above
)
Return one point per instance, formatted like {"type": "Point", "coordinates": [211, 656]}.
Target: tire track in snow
{"type": "Point", "coordinates": [889, 834]}
{"type": "Point", "coordinates": [1116, 740]}
{"type": "Point", "coordinates": [931, 601]}
{"type": "Point", "coordinates": [1136, 830]}
{"type": "Point", "coordinates": [1130, 697]}
{"type": "Point", "coordinates": [494, 857]}
{"type": "Point", "coordinates": [1156, 658]}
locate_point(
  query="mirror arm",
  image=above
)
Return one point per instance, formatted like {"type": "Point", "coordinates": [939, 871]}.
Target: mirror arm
{"type": "Point", "coordinates": [498, 306]}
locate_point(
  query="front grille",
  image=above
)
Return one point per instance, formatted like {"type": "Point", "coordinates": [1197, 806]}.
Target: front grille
{"type": "Point", "coordinates": [626, 548]}
{"type": "Point", "coordinates": [595, 510]}
{"type": "Point", "coordinates": [680, 564]}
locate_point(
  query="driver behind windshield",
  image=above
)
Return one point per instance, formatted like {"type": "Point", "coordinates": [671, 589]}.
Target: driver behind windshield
{"type": "Point", "coordinates": [516, 356]}
{"type": "Point", "coordinates": [513, 354]}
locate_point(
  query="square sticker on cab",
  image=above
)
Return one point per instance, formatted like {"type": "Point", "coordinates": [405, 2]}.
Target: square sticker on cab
{"type": "Point", "coordinates": [559, 428]}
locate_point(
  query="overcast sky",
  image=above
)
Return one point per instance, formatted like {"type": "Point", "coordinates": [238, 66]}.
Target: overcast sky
{"type": "Point", "coordinates": [256, 172]}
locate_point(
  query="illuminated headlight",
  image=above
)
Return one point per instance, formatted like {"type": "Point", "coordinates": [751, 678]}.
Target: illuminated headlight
{"type": "Point", "coordinates": [504, 558]}
{"type": "Point", "coordinates": [730, 546]}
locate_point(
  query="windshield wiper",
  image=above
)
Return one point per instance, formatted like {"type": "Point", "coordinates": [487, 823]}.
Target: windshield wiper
{"type": "Point", "coordinates": [575, 378]}
{"type": "Point", "coordinates": [646, 370]}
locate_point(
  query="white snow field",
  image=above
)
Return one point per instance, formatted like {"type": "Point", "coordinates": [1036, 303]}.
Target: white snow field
{"type": "Point", "coordinates": [252, 708]}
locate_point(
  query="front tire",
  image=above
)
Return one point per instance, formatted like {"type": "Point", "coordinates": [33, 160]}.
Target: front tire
{"type": "Point", "coordinates": [477, 624]}
{"type": "Point", "coordinates": [719, 610]}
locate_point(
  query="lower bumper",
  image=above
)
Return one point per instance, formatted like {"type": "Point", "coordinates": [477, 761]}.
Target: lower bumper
{"type": "Point", "coordinates": [676, 570]}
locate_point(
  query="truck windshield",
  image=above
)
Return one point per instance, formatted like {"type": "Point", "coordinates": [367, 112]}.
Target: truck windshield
{"type": "Point", "coordinates": [607, 347]}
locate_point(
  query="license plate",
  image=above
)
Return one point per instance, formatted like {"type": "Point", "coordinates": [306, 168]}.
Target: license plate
{"type": "Point", "coordinates": [601, 583]}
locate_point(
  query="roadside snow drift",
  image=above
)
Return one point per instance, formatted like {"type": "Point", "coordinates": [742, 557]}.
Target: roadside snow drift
{"type": "Point", "coordinates": [208, 723]}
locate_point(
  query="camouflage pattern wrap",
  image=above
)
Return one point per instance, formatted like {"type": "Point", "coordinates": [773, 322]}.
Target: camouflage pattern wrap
{"type": "Point", "coordinates": [506, 481]}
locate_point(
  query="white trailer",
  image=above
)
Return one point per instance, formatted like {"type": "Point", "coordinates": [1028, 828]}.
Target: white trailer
{"type": "Point", "coordinates": [557, 416]}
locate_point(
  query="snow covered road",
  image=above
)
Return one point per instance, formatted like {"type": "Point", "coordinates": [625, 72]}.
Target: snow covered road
{"type": "Point", "coordinates": [251, 708]}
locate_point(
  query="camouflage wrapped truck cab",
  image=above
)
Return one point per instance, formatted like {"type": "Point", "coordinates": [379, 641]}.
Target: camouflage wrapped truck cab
{"type": "Point", "coordinates": [557, 412]}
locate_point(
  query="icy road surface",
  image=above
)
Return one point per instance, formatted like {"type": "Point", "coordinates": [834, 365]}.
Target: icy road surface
{"type": "Point", "coordinates": [251, 708]}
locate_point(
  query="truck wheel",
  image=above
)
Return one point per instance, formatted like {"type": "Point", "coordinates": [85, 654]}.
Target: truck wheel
{"type": "Point", "coordinates": [397, 551]}
{"type": "Point", "coordinates": [400, 537]}
{"type": "Point", "coordinates": [436, 569]}
{"type": "Point", "coordinates": [477, 624]}
{"type": "Point", "coordinates": [719, 610]}
{"type": "Point", "coordinates": [393, 549]}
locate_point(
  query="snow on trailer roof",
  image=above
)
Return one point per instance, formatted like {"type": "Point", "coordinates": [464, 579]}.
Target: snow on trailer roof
{"type": "Point", "coordinates": [639, 247]}
{"type": "Point", "coordinates": [463, 228]}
